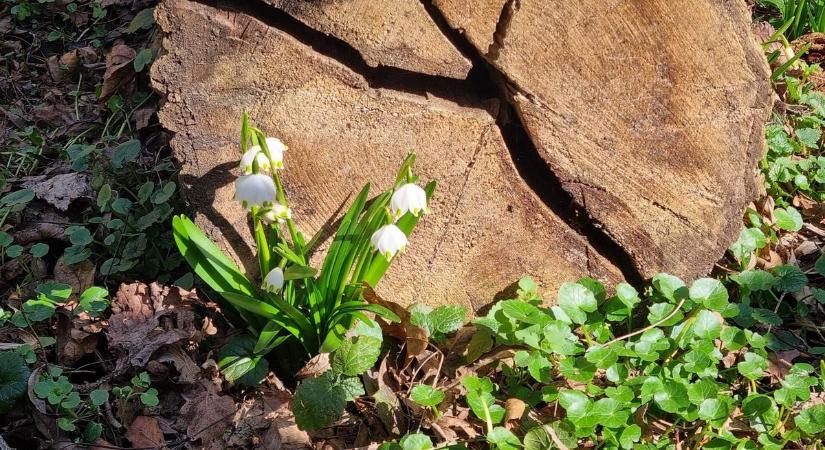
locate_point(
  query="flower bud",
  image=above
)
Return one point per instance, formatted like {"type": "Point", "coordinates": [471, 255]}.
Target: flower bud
{"type": "Point", "coordinates": [389, 240]}
{"type": "Point", "coordinates": [279, 213]}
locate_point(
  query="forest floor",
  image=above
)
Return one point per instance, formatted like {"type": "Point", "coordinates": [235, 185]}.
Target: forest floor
{"type": "Point", "coordinates": [110, 311]}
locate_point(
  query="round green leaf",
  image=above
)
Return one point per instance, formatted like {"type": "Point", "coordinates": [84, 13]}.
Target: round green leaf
{"type": "Point", "coordinates": [426, 395]}
{"type": "Point", "coordinates": [709, 292]}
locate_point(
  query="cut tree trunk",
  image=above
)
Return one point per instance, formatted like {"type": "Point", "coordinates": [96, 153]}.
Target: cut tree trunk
{"type": "Point", "coordinates": [649, 118]}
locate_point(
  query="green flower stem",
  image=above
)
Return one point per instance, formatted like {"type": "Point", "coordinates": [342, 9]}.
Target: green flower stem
{"type": "Point", "coordinates": [293, 232]}
{"type": "Point", "coordinates": [488, 419]}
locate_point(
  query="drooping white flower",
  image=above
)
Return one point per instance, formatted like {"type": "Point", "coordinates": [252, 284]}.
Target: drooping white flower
{"type": "Point", "coordinates": [274, 280]}
{"type": "Point", "coordinates": [252, 154]}
{"type": "Point", "coordinates": [279, 213]}
{"type": "Point", "coordinates": [276, 151]}
{"type": "Point", "coordinates": [256, 153]}
{"type": "Point", "coordinates": [409, 197]}
{"type": "Point", "coordinates": [389, 240]}
{"type": "Point", "coordinates": [255, 190]}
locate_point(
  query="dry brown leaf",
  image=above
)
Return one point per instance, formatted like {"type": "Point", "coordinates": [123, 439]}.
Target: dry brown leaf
{"type": "Point", "coordinates": [458, 424]}
{"type": "Point", "coordinates": [87, 55]}
{"type": "Point", "coordinates": [119, 70]}
{"type": "Point", "coordinates": [279, 414]}
{"type": "Point", "coordinates": [61, 190]}
{"type": "Point", "coordinates": [415, 338]}
{"type": "Point", "coordinates": [188, 370]}
{"type": "Point", "coordinates": [145, 318]}
{"type": "Point", "coordinates": [779, 363]}
{"type": "Point", "coordinates": [513, 409]}
{"type": "Point", "coordinates": [73, 343]}
{"type": "Point", "coordinates": [144, 432]}
{"type": "Point", "coordinates": [317, 365]}
{"type": "Point", "coordinates": [69, 62]}
{"type": "Point", "coordinates": [143, 115]}
{"type": "Point", "coordinates": [206, 415]}
{"type": "Point", "coordinates": [53, 64]}
{"type": "Point", "coordinates": [80, 276]}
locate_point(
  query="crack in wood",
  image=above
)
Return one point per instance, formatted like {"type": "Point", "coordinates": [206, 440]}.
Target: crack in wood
{"type": "Point", "coordinates": [509, 10]}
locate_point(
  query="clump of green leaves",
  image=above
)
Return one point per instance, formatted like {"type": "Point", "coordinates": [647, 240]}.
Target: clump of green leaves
{"type": "Point", "coordinates": [139, 388]}
{"type": "Point", "coordinates": [76, 414]}
{"type": "Point", "coordinates": [126, 231]}
{"type": "Point", "coordinates": [319, 401]}
{"type": "Point", "coordinates": [50, 295]}
{"type": "Point", "coordinates": [674, 354]}
{"type": "Point", "coordinates": [794, 164]}
{"type": "Point", "coordinates": [797, 17]}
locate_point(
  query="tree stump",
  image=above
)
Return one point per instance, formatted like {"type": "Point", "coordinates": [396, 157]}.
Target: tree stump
{"type": "Point", "coordinates": [609, 139]}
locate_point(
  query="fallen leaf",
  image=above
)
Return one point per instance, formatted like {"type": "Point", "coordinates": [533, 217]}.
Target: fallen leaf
{"type": "Point", "coordinates": [317, 365]}
{"type": "Point", "coordinates": [87, 55]}
{"type": "Point", "coordinates": [53, 64]}
{"type": "Point", "coordinates": [61, 190]}
{"type": "Point", "coordinates": [143, 115]}
{"type": "Point", "coordinates": [458, 424]}
{"type": "Point", "coordinates": [69, 62]}
{"type": "Point", "coordinates": [779, 363]}
{"type": "Point", "coordinates": [73, 343]}
{"type": "Point", "coordinates": [206, 415]}
{"type": "Point", "coordinates": [513, 409]}
{"type": "Point", "coordinates": [145, 318]}
{"type": "Point", "coordinates": [79, 276]}
{"type": "Point", "coordinates": [119, 70]}
{"type": "Point", "coordinates": [416, 338]}
{"type": "Point", "coordinates": [279, 416]}
{"type": "Point", "coordinates": [188, 370]}
{"type": "Point", "coordinates": [144, 432]}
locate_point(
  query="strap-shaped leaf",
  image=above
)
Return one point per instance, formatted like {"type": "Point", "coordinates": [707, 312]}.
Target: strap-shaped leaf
{"type": "Point", "coordinates": [266, 311]}
{"type": "Point", "coordinates": [351, 307]}
{"type": "Point", "coordinates": [211, 265]}
{"type": "Point", "coordinates": [207, 260]}
{"type": "Point", "coordinates": [298, 272]}
{"type": "Point", "coordinates": [329, 268]}
{"type": "Point", "coordinates": [269, 338]}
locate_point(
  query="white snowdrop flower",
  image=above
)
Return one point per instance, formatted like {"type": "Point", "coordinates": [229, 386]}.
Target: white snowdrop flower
{"type": "Point", "coordinates": [279, 213]}
{"type": "Point", "coordinates": [389, 240]}
{"type": "Point", "coordinates": [274, 280]}
{"type": "Point", "coordinates": [276, 151]}
{"type": "Point", "coordinates": [252, 154]}
{"type": "Point", "coordinates": [408, 197]}
{"type": "Point", "coordinates": [263, 162]}
{"type": "Point", "coordinates": [255, 190]}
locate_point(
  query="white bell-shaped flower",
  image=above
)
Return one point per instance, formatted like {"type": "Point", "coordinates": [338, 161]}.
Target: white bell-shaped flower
{"type": "Point", "coordinates": [409, 197]}
{"type": "Point", "coordinates": [389, 240]}
{"type": "Point", "coordinates": [274, 280]}
{"type": "Point", "coordinates": [255, 190]}
{"type": "Point", "coordinates": [276, 151]}
{"type": "Point", "coordinates": [278, 213]}
{"type": "Point", "coordinates": [249, 157]}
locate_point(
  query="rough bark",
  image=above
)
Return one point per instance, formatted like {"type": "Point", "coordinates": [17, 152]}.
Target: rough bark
{"type": "Point", "coordinates": [486, 227]}
{"type": "Point", "coordinates": [650, 113]}
{"type": "Point", "coordinates": [395, 34]}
